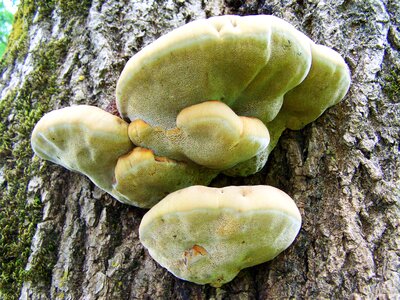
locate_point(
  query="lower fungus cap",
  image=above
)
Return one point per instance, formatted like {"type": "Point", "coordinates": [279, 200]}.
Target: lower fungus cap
{"type": "Point", "coordinates": [142, 178]}
{"type": "Point", "coordinates": [207, 235]}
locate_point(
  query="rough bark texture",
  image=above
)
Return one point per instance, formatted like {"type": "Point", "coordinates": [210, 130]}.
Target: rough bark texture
{"type": "Point", "coordinates": [343, 170]}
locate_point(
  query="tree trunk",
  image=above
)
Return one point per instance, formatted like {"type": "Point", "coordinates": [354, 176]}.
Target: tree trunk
{"type": "Point", "coordinates": [63, 238]}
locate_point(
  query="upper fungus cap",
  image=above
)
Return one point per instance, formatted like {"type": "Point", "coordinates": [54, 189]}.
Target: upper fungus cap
{"type": "Point", "coordinates": [259, 66]}
{"type": "Point", "coordinates": [249, 63]}
{"type": "Point", "coordinates": [207, 235]}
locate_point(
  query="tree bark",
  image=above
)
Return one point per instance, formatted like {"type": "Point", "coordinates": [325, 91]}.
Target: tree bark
{"type": "Point", "coordinates": [343, 170]}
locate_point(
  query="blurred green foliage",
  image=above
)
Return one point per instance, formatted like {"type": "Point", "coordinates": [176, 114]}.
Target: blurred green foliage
{"type": "Point", "coordinates": [6, 19]}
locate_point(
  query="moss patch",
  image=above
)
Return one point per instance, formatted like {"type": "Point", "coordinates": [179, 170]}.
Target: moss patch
{"type": "Point", "coordinates": [73, 8]}
{"type": "Point", "coordinates": [19, 112]}
{"type": "Point", "coordinates": [392, 85]}
{"type": "Point", "coordinates": [18, 40]}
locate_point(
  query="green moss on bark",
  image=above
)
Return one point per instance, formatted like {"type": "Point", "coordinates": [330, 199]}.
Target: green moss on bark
{"type": "Point", "coordinates": [73, 8]}
{"type": "Point", "coordinates": [18, 42]}
{"type": "Point", "coordinates": [392, 85]}
{"type": "Point", "coordinates": [19, 112]}
{"type": "Point", "coordinates": [20, 109]}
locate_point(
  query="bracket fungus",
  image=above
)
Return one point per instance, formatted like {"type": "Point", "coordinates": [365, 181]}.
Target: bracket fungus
{"type": "Point", "coordinates": [207, 235]}
{"type": "Point", "coordinates": [84, 139]}
{"type": "Point", "coordinates": [259, 66]}
{"type": "Point", "coordinates": [210, 97]}
{"type": "Point", "coordinates": [95, 143]}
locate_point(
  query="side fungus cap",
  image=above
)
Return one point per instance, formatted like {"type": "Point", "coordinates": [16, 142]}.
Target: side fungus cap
{"type": "Point", "coordinates": [84, 139]}
{"type": "Point", "coordinates": [207, 235]}
{"type": "Point", "coordinates": [326, 84]}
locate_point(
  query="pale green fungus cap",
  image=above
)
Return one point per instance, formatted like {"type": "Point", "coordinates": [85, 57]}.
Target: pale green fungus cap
{"type": "Point", "coordinates": [209, 134]}
{"type": "Point", "coordinates": [258, 66]}
{"type": "Point", "coordinates": [83, 139]}
{"type": "Point", "coordinates": [143, 179]}
{"type": "Point", "coordinates": [249, 63]}
{"type": "Point", "coordinates": [207, 235]}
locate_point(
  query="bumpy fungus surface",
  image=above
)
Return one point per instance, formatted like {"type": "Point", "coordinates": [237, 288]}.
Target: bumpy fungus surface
{"type": "Point", "coordinates": [207, 235]}
{"type": "Point", "coordinates": [209, 134]}
{"type": "Point", "coordinates": [259, 66]}
{"type": "Point", "coordinates": [95, 143]}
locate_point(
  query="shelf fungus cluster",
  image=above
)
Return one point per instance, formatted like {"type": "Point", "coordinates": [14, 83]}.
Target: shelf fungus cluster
{"type": "Point", "coordinates": [210, 97]}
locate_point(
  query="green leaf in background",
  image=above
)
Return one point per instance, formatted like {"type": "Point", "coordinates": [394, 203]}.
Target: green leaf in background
{"type": "Point", "coordinates": [6, 19]}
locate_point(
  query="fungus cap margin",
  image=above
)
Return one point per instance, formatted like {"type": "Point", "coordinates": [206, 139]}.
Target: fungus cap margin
{"type": "Point", "coordinates": [226, 197]}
